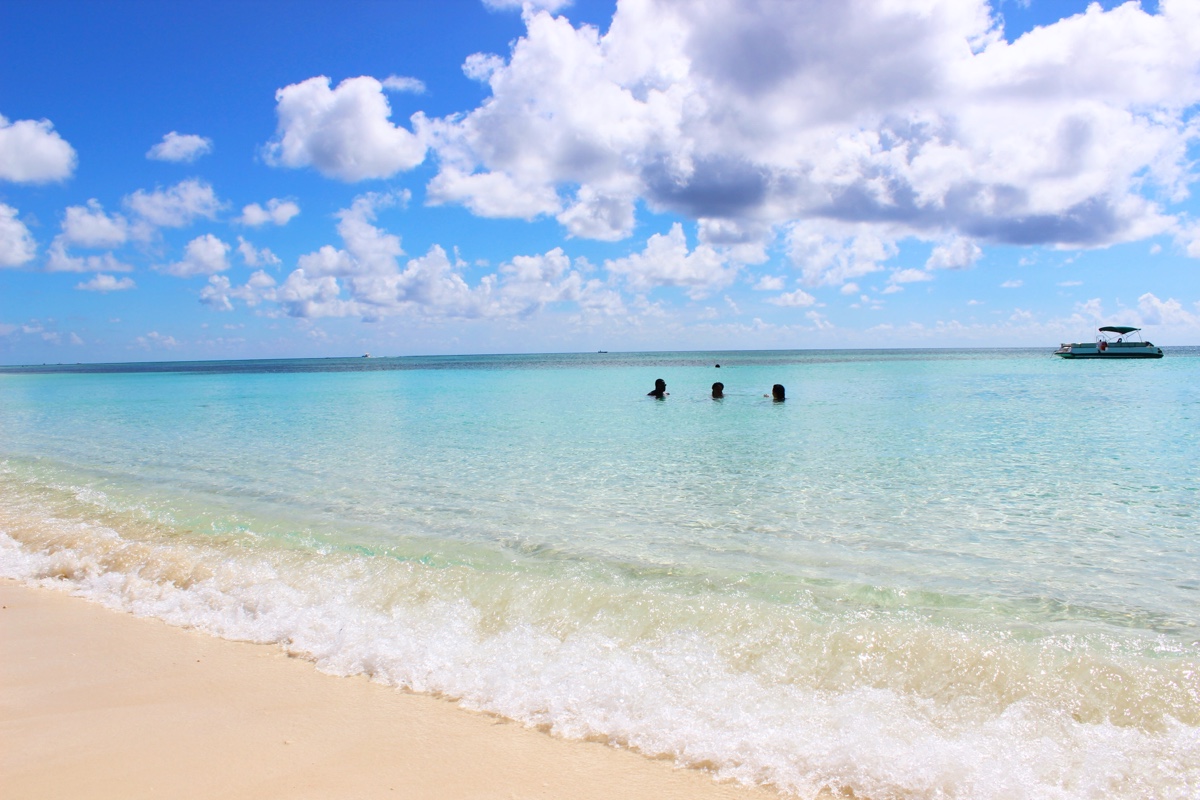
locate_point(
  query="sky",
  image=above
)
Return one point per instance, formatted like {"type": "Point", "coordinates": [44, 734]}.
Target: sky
{"type": "Point", "coordinates": [262, 178]}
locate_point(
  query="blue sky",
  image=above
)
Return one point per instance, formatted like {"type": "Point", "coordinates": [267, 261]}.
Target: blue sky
{"type": "Point", "coordinates": [264, 179]}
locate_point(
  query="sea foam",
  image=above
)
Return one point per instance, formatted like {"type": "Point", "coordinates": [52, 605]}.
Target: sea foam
{"type": "Point", "coordinates": [735, 702]}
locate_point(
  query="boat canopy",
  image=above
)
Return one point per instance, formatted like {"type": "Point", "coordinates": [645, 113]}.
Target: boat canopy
{"type": "Point", "coordinates": [1121, 329]}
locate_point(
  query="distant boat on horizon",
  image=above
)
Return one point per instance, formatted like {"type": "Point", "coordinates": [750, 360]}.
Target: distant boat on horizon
{"type": "Point", "coordinates": [1106, 347]}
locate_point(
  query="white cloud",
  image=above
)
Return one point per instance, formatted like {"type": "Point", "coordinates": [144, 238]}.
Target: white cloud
{"type": "Point", "coordinates": [819, 321]}
{"type": "Point", "coordinates": [908, 119]}
{"type": "Point", "coordinates": [665, 261]}
{"type": "Point", "coordinates": [400, 83]}
{"type": "Point", "coordinates": [743, 241]}
{"type": "Point", "coordinates": [204, 255]}
{"type": "Point", "coordinates": [58, 260]}
{"type": "Point", "coordinates": [1189, 238]}
{"type": "Point", "coordinates": [496, 195]}
{"type": "Point", "coordinates": [366, 279]}
{"type": "Point", "coordinates": [519, 5]}
{"type": "Point", "coordinates": [344, 133]}
{"type": "Point", "coordinates": [1013, 284]}
{"type": "Point", "coordinates": [910, 276]}
{"type": "Point", "coordinates": [154, 339]}
{"type": "Point", "coordinates": [106, 283]}
{"type": "Point", "coordinates": [219, 290]}
{"type": "Point", "coordinates": [593, 215]}
{"type": "Point", "coordinates": [90, 226]}
{"type": "Point", "coordinates": [1070, 283]}
{"type": "Point", "coordinates": [181, 147]}
{"type": "Point", "coordinates": [1092, 309]}
{"type": "Point", "coordinates": [830, 254]}
{"type": "Point", "coordinates": [851, 288]}
{"type": "Point", "coordinates": [33, 152]}
{"type": "Point", "coordinates": [958, 252]}
{"type": "Point", "coordinates": [17, 246]}
{"type": "Point", "coordinates": [796, 299]}
{"type": "Point", "coordinates": [1163, 312]}
{"type": "Point", "coordinates": [177, 206]}
{"type": "Point", "coordinates": [279, 212]}
{"type": "Point", "coordinates": [253, 256]}
{"type": "Point", "coordinates": [770, 283]}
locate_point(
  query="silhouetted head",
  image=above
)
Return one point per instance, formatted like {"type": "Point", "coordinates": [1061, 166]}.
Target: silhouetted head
{"type": "Point", "coordinates": [660, 389]}
{"type": "Point", "coordinates": [777, 392]}
{"type": "Point", "coordinates": [718, 389]}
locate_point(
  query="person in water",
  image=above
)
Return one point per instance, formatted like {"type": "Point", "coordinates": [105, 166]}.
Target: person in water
{"type": "Point", "coordinates": [718, 390]}
{"type": "Point", "coordinates": [776, 393]}
{"type": "Point", "coordinates": [660, 389]}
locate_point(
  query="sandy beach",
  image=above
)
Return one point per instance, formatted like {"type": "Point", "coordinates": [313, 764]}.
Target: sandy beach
{"type": "Point", "coordinates": [99, 704]}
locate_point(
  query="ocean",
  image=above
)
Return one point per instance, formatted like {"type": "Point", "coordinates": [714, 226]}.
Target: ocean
{"type": "Point", "coordinates": [925, 574]}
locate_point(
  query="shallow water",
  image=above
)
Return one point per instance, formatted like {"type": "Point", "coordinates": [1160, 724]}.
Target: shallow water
{"type": "Point", "coordinates": [960, 574]}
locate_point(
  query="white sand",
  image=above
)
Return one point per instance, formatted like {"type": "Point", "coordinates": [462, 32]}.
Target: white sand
{"type": "Point", "coordinates": [100, 704]}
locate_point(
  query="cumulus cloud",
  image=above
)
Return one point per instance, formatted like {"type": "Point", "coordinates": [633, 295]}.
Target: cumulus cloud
{"type": "Point", "coordinates": [796, 299]}
{"type": "Point", "coordinates": [90, 226]}
{"type": "Point", "coordinates": [278, 212]}
{"type": "Point", "coordinates": [518, 5]}
{"type": "Point", "coordinates": [1012, 284]}
{"type": "Point", "coordinates": [592, 215]}
{"type": "Point", "coordinates": [59, 260]}
{"type": "Point", "coordinates": [497, 195]}
{"type": "Point", "coordinates": [1189, 238]}
{"type": "Point", "coordinates": [17, 246]}
{"type": "Point", "coordinates": [1092, 309]}
{"type": "Point", "coordinates": [666, 261]}
{"type": "Point", "coordinates": [910, 276]}
{"type": "Point", "coordinates": [177, 206]}
{"type": "Point", "coordinates": [830, 254]}
{"type": "Point", "coordinates": [1163, 312]}
{"type": "Point", "coordinates": [204, 255]}
{"type": "Point", "coordinates": [219, 290]}
{"type": "Point", "coordinates": [909, 119]}
{"type": "Point", "coordinates": [154, 339]}
{"type": "Point", "coordinates": [181, 147]}
{"type": "Point", "coordinates": [401, 83]}
{"type": "Point", "coordinates": [106, 283]}
{"type": "Point", "coordinates": [365, 278]}
{"type": "Point", "coordinates": [253, 256]}
{"type": "Point", "coordinates": [958, 252]}
{"type": "Point", "coordinates": [744, 241]}
{"type": "Point", "coordinates": [344, 132]}
{"type": "Point", "coordinates": [31, 151]}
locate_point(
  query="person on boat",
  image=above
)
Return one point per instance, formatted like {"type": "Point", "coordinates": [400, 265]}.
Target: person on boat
{"type": "Point", "coordinates": [718, 390]}
{"type": "Point", "coordinates": [777, 393]}
{"type": "Point", "coordinates": [660, 389]}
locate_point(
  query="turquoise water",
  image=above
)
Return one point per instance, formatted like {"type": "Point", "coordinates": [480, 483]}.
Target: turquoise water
{"type": "Point", "coordinates": [959, 574]}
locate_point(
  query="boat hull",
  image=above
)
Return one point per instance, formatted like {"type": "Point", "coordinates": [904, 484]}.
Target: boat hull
{"type": "Point", "coordinates": [1112, 351]}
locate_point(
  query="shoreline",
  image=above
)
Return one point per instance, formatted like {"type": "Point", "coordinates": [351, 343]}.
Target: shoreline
{"type": "Point", "coordinates": [102, 704]}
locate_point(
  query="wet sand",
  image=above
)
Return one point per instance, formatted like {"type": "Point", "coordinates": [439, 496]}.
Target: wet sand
{"type": "Point", "coordinates": [101, 704]}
